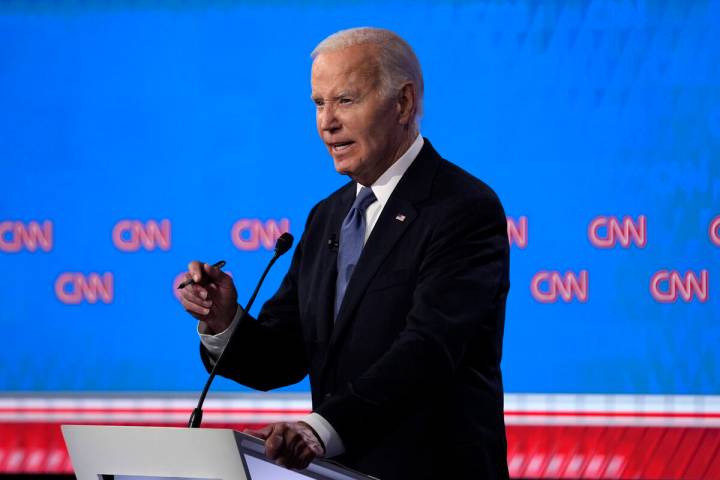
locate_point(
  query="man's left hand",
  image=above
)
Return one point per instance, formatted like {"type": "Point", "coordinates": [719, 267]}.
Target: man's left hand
{"type": "Point", "coordinates": [290, 444]}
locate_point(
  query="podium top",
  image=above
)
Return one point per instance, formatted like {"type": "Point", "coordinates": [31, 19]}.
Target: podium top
{"type": "Point", "coordinates": [167, 453]}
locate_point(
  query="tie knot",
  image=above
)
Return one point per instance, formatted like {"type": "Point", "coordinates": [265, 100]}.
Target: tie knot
{"type": "Point", "coordinates": [364, 198]}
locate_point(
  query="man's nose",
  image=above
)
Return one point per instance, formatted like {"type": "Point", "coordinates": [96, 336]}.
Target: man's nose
{"type": "Point", "coordinates": [328, 118]}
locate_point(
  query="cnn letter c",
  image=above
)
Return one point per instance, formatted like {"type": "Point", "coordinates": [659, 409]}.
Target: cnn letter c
{"type": "Point", "coordinates": [659, 295]}
{"type": "Point", "coordinates": [539, 295]}
{"type": "Point", "coordinates": [594, 236]}
{"type": "Point", "coordinates": [715, 231]}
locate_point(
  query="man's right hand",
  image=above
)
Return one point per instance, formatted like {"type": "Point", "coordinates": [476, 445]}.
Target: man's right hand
{"type": "Point", "coordinates": [212, 299]}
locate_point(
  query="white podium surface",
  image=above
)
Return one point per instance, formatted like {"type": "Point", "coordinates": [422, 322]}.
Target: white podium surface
{"type": "Point", "coordinates": [154, 451]}
{"type": "Point", "coordinates": [168, 453]}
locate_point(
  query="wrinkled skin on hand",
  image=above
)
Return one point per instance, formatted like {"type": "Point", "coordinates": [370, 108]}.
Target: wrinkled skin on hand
{"type": "Point", "coordinates": [212, 299]}
{"type": "Point", "coordinates": [290, 444]}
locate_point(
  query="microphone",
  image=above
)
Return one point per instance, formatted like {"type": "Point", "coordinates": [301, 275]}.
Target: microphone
{"type": "Point", "coordinates": [283, 244]}
{"type": "Point", "coordinates": [333, 243]}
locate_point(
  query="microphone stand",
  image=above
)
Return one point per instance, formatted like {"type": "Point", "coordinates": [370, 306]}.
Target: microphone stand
{"type": "Point", "coordinates": [283, 245]}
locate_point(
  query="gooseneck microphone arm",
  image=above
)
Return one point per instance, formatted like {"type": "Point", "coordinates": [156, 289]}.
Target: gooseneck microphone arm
{"type": "Point", "coordinates": [284, 243]}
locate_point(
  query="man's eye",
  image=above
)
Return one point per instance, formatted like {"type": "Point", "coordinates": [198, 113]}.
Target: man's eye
{"type": "Point", "coordinates": [345, 101]}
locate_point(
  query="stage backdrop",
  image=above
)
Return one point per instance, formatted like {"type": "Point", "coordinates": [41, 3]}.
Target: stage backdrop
{"type": "Point", "coordinates": [136, 136]}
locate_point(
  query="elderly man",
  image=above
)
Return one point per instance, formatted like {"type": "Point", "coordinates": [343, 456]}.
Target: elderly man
{"type": "Point", "coordinates": [394, 302]}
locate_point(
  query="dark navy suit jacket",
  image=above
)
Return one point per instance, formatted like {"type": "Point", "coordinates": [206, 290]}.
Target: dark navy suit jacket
{"type": "Point", "coordinates": [409, 372]}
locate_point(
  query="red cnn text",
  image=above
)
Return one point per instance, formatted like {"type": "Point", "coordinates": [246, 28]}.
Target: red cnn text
{"type": "Point", "coordinates": [666, 286]}
{"type": "Point", "coordinates": [551, 286]}
{"type": "Point", "coordinates": [607, 232]}
{"type": "Point", "coordinates": [132, 235]}
{"type": "Point", "coordinates": [517, 231]}
{"type": "Point", "coordinates": [251, 233]}
{"type": "Point", "coordinates": [74, 288]}
{"type": "Point", "coordinates": [30, 236]}
{"type": "Point", "coordinates": [714, 231]}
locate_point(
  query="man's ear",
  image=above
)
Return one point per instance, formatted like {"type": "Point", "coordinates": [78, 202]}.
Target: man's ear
{"type": "Point", "coordinates": [407, 103]}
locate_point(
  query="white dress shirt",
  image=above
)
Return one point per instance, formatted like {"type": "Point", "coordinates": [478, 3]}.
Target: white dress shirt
{"type": "Point", "coordinates": [382, 188]}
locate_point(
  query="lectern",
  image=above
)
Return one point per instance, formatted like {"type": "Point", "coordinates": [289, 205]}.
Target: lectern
{"type": "Point", "coordinates": [166, 453]}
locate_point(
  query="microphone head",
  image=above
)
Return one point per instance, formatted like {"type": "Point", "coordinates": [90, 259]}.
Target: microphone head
{"type": "Point", "coordinates": [284, 243]}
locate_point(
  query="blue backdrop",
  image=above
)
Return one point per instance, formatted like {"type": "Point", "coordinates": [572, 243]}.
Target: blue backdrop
{"type": "Point", "coordinates": [199, 113]}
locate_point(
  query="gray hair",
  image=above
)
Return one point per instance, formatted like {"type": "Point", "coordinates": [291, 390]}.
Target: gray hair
{"type": "Point", "coordinates": [397, 61]}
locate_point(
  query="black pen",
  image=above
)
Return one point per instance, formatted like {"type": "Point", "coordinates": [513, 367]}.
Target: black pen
{"type": "Point", "coordinates": [190, 281]}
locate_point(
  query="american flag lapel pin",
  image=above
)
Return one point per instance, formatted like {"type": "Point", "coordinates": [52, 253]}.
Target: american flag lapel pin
{"type": "Point", "coordinates": [400, 217]}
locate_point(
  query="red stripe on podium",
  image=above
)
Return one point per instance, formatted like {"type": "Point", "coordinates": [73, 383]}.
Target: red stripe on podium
{"type": "Point", "coordinates": [534, 451]}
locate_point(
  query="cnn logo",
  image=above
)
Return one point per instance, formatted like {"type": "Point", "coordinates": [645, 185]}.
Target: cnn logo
{"type": "Point", "coordinates": [607, 232]}
{"type": "Point", "coordinates": [517, 231]}
{"type": "Point", "coordinates": [251, 234]}
{"type": "Point", "coordinates": [132, 235]}
{"type": "Point", "coordinates": [551, 286]}
{"type": "Point", "coordinates": [714, 231]}
{"type": "Point", "coordinates": [31, 236]}
{"type": "Point", "coordinates": [73, 288]}
{"type": "Point", "coordinates": [666, 286]}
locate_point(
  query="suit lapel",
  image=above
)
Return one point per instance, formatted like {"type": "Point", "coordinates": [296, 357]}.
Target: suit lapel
{"type": "Point", "coordinates": [397, 215]}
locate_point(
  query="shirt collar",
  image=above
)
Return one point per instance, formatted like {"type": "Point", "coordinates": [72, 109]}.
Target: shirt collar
{"type": "Point", "coordinates": [384, 186]}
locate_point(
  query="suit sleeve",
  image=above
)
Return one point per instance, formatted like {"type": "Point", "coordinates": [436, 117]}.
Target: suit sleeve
{"type": "Point", "coordinates": [269, 352]}
{"type": "Point", "coordinates": [462, 282]}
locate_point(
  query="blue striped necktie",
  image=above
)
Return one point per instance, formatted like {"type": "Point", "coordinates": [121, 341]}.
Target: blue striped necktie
{"type": "Point", "coordinates": [352, 239]}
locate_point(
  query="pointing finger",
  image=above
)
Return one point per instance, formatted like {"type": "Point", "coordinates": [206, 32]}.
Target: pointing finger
{"type": "Point", "coordinates": [195, 270]}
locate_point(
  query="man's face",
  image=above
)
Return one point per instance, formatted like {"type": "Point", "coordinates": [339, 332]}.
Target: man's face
{"type": "Point", "coordinates": [361, 129]}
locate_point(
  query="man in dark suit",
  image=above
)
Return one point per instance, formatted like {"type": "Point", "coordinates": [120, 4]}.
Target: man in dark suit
{"type": "Point", "coordinates": [394, 302]}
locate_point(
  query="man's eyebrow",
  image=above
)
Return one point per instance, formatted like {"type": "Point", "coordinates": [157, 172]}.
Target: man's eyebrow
{"type": "Point", "coordinates": [347, 93]}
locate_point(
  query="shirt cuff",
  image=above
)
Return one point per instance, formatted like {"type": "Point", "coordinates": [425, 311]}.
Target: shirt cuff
{"type": "Point", "coordinates": [329, 437]}
{"type": "Point", "coordinates": [215, 344]}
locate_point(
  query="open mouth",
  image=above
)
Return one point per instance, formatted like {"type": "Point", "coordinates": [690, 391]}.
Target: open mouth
{"type": "Point", "coordinates": [340, 147]}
